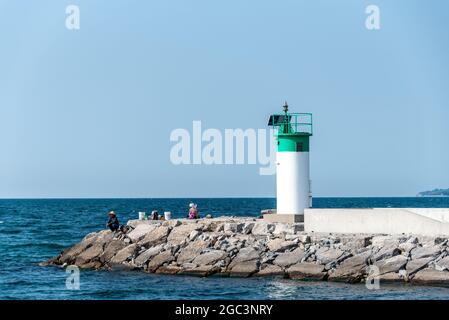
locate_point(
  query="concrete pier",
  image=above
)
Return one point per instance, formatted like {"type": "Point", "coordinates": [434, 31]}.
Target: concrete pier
{"type": "Point", "coordinates": [419, 221]}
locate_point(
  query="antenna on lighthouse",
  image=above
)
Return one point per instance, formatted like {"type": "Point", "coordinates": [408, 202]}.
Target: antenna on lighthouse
{"type": "Point", "coordinates": [285, 106]}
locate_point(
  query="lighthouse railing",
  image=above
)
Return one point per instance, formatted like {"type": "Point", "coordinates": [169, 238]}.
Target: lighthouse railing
{"type": "Point", "coordinates": [298, 122]}
{"type": "Point", "coordinates": [302, 123]}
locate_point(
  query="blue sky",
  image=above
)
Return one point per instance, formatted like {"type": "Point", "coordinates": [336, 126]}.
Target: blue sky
{"type": "Point", "coordinates": [88, 113]}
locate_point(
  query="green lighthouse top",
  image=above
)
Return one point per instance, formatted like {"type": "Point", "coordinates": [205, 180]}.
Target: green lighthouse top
{"type": "Point", "coordinates": [298, 124]}
{"type": "Point", "coordinates": [292, 130]}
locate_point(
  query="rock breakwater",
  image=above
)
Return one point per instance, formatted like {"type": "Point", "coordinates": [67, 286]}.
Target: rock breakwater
{"type": "Point", "coordinates": [245, 247]}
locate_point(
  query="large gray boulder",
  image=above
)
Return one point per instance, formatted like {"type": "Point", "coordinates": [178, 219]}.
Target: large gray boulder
{"type": "Point", "coordinates": [209, 225]}
{"type": "Point", "coordinates": [233, 227]}
{"type": "Point", "coordinates": [300, 237]}
{"type": "Point", "coordinates": [289, 258]}
{"type": "Point", "coordinates": [160, 259]}
{"type": "Point", "coordinates": [125, 254]}
{"type": "Point", "coordinates": [407, 247]}
{"type": "Point", "coordinates": [386, 252]}
{"type": "Point", "coordinates": [244, 255]}
{"type": "Point", "coordinates": [287, 228]}
{"type": "Point", "coordinates": [140, 232]}
{"type": "Point", "coordinates": [111, 250]}
{"type": "Point", "coordinates": [69, 255]}
{"type": "Point", "coordinates": [209, 258]}
{"type": "Point", "coordinates": [191, 251]}
{"type": "Point", "coordinates": [168, 269]}
{"type": "Point", "coordinates": [351, 270]}
{"type": "Point", "coordinates": [248, 227]}
{"type": "Point", "coordinates": [442, 264]}
{"type": "Point", "coordinates": [355, 242]}
{"type": "Point", "coordinates": [333, 263]}
{"type": "Point", "coordinates": [431, 277]}
{"type": "Point", "coordinates": [200, 271]}
{"type": "Point", "coordinates": [91, 253]}
{"type": "Point", "coordinates": [155, 237]}
{"type": "Point", "coordinates": [145, 256]}
{"type": "Point", "coordinates": [262, 229]}
{"type": "Point", "coordinates": [387, 240]}
{"type": "Point", "coordinates": [181, 233]}
{"type": "Point", "coordinates": [94, 239]}
{"type": "Point", "coordinates": [393, 264]}
{"type": "Point", "coordinates": [304, 238]}
{"type": "Point", "coordinates": [244, 269]}
{"type": "Point", "coordinates": [269, 270]}
{"type": "Point", "coordinates": [415, 265]}
{"type": "Point", "coordinates": [425, 252]}
{"type": "Point", "coordinates": [172, 223]}
{"type": "Point", "coordinates": [307, 271]}
{"type": "Point", "coordinates": [326, 255]}
{"type": "Point", "coordinates": [280, 245]}
{"type": "Point", "coordinates": [390, 277]}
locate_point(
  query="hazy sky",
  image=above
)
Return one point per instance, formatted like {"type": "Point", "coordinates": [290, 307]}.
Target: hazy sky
{"type": "Point", "coordinates": [89, 112]}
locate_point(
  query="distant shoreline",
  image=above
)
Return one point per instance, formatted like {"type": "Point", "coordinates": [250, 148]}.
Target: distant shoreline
{"type": "Point", "coordinates": [434, 193]}
{"type": "Point", "coordinates": [439, 196]}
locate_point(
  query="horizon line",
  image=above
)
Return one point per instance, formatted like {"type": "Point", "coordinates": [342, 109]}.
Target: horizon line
{"type": "Point", "coordinates": [193, 197]}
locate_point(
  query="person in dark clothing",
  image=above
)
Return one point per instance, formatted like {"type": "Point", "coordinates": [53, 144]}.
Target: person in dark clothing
{"type": "Point", "coordinates": [113, 223]}
{"type": "Point", "coordinates": [154, 215]}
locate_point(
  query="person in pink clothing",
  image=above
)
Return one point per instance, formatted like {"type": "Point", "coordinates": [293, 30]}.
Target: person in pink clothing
{"type": "Point", "coordinates": [193, 211]}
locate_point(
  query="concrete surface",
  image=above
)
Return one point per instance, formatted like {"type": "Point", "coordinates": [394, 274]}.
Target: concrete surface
{"type": "Point", "coordinates": [420, 221]}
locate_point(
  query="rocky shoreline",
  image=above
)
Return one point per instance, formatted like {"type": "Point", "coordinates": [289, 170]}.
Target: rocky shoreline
{"type": "Point", "coordinates": [247, 247]}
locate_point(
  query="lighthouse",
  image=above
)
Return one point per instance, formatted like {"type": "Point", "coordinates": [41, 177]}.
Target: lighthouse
{"type": "Point", "coordinates": [293, 185]}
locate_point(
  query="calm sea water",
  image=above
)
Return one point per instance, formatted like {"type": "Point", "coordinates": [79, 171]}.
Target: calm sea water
{"type": "Point", "coordinates": [34, 230]}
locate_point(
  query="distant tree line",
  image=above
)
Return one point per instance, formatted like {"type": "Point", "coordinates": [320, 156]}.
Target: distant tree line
{"type": "Point", "coordinates": [435, 192]}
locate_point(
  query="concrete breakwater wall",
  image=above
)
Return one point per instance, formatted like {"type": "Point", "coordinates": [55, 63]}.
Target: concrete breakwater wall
{"type": "Point", "coordinates": [423, 221]}
{"type": "Point", "coordinates": [250, 247]}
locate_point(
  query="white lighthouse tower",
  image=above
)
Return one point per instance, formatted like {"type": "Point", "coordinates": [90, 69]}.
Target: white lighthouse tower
{"type": "Point", "coordinates": [293, 192]}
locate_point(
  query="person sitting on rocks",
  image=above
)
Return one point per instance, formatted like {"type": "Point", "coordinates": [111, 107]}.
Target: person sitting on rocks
{"type": "Point", "coordinates": [193, 211]}
{"type": "Point", "coordinates": [154, 215]}
{"type": "Point", "coordinates": [113, 223]}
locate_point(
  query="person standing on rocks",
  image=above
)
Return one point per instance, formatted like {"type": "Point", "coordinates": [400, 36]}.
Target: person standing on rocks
{"type": "Point", "coordinates": [113, 222]}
